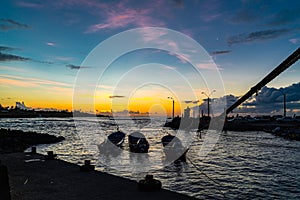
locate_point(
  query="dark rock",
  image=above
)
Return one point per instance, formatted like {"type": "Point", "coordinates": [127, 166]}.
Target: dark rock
{"type": "Point", "coordinates": [18, 141]}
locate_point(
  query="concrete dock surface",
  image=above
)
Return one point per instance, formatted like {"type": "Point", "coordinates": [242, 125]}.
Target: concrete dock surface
{"type": "Point", "coordinates": [31, 177]}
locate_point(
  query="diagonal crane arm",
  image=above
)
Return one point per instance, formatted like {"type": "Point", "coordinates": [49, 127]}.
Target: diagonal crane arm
{"type": "Point", "coordinates": [273, 74]}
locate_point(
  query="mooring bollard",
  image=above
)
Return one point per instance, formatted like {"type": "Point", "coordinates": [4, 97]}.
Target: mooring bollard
{"type": "Point", "coordinates": [33, 150]}
{"type": "Point", "coordinates": [50, 155]}
{"type": "Point", "coordinates": [87, 167]}
{"type": "Point", "coordinates": [87, 162]}
{"type": "Point", "coordinates": [4, 183]}
{"type": "Point", "coordinates": [149, 184]}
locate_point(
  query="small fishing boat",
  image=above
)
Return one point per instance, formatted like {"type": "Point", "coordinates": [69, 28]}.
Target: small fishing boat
{"type": "Point", "coordinates": [138, 143]}
{"type": "Point", "coordinates": [173, 148]}
{"type": "Point", "coordinates": [115, 139]}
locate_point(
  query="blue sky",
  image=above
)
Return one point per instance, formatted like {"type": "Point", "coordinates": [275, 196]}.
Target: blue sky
{"type": "Point", "coordinates": [43, 43]}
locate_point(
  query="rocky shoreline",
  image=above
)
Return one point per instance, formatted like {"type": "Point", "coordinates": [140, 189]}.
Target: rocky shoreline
{"type": "Point", "coordinates": [18, 141]}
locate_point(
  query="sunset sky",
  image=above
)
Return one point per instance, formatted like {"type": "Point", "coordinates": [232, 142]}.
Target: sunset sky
{"type": "Point", "coordinates": [44, 44]}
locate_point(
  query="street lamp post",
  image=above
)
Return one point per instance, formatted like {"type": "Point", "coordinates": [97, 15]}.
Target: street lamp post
{"type": "Point", "coordinates": [284, 103]}
{"type": "Point", "coordinates": [172, 106]}
{"type": "Point", "coordinates": [208, 99]}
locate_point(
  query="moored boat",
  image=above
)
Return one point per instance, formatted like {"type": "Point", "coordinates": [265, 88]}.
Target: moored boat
{"type": "Point", "coordinates": [173, 148]}
{"type": "Point", "coordinates": [138, 143]}
{"type": "Point", "coordinates": [115, 139]}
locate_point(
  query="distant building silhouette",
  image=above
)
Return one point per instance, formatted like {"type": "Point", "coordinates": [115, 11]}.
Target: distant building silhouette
{"type": "Point", "coordinates": [22, 106]}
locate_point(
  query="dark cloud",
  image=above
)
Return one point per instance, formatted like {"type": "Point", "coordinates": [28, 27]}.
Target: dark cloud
{"type": "Point", "coordinates": [220, 52]}
{"type": "Point", "coordinates": [293, 92]}
{"type": "Point", "coordinates": [11, 57]}
{"type": "Point", "coordinates": [7, 98]}
{"type": "Point", "coordinates": [75, 66]}
{"type": "Point", "coordinates": [245, 16]}
{"type": "Point", "coordinates": [270, 100]}
{"type": "Point", "coordinates": [5, 48]}
{"type": "Point", "coordinates": [5, 57]}
{"type": "Point", "coordinates": [44, 62]}
{"type": "Point", "coordinates": [178, 3]}
{"type": "Point", "coordinates": [269, 95]}
{"type": "Point", "coordinates": [190, 101]}
{"type": "Point", "coordinates": [9, 24]}
{"type": "Point", "coordinates": [258, 36]}
{"type": "Point", "coordinates": [285, 17]}
{"type": "Point", "coordinates": [29, 5]}
{"type": "Point", "coordinates": [116, 96]}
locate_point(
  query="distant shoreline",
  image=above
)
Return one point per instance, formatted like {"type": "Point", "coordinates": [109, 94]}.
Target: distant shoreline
{"type": "Point", "coordinates": [17, 113]}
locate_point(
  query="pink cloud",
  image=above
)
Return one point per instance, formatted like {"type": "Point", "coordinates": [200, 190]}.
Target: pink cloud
{"type": "Point", "coordinates": [210, 17]}
{"type": "Point", "coordinates": [169, 67]}
{"type": "Point", "coordinates": [153, 35]}
{"type": "Point", "coordinates": [182, 58]}
{"type": "Point", "coordinates": [49, 86]}
{"type": "Point", "coordinates": [61, 90]}
{"type": "Point", "coordinates": [25, 81]}
{"type": "Point", "coordinates": [62, 58]}
{"type": "Point", "coordinates": [11, 68]}
{"type": "Point", "coordinates": [81, 3]}
{"type": "Point", "coordinates": [294, 40]}
{"type": "Point", "coordinates": [211, 10]}
{"type": "Point", "coordinates": [107, 87]}
{"type": "Point", "coordinates": [29, 5]}
{"type": "Point", "coordinates": [188, 32]}
{"type": "Point", "coordinates": [6, 82]}
{"type": "Point", "coordinates": [118, 16]}
{"type": "Point", "coordinates": [210, 65]}
{"type": "Point", "coordinates": [113, 14]}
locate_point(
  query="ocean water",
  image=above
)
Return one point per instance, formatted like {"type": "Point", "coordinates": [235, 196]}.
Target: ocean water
{"type": "Point", "coordinates": [241, 165]}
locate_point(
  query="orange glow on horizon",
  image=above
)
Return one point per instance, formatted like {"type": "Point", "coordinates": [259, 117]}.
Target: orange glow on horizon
{"type": "Point", "coordinates": [60, 97]}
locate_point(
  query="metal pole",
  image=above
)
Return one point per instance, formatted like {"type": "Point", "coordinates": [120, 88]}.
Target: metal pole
{"type": "Point", "coordinates": [173, 108]}
{"type": "Point", "coordinates": [208, 106]}
{"type": "Point", "coordinates": [208, 100]}
{"type": "Point", "coordinates": [284, 105]}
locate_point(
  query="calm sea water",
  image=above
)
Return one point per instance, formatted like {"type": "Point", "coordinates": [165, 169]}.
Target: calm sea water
{"type": "Point", "coordinates": [242, 165]}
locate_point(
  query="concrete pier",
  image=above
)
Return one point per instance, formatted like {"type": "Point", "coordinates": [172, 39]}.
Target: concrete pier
{"type": "Point", "coordinates": [32, 177]}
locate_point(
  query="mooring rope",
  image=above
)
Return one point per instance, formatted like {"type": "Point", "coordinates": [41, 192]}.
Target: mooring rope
{"type": "Point", "coordinates": [212, 180]}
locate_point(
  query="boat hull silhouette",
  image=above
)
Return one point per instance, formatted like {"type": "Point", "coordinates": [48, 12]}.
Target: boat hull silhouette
{"type": "Point", "coordinates": [138, 143]}
{"type": "Point", "coordinates": [113, 143]}
{"type": "Point", "coordinates": [173, 149]}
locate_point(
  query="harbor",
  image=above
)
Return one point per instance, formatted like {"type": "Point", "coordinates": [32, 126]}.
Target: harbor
{"type": "Point", "coordinates": [255, 161]}
{"type": "Point", "coordinates": [149, 100]}
{"type": "Point", "coordinates": [176, 152]}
